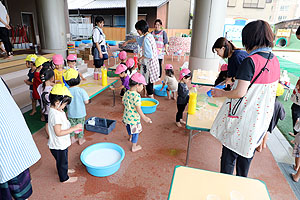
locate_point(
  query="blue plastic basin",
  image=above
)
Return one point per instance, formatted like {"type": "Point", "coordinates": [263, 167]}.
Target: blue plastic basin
{"type": "Point", "coordinates": [106, 170]}
{"type": "Point", "coordinates": [162, 93]}
{"type": "Point", "coordinates": [149, 109]}
{"type": "Point", "coordinates": [77, 43]}
{"type": "Point", "coordinates": [86, 41]}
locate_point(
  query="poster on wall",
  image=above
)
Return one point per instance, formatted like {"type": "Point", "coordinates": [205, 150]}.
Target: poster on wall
{"type": "Point", "coordinates": [233, 32]}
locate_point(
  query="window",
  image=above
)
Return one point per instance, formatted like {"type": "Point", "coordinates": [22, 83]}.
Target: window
{"type": "Point", "coordinates": [231, 3]}
{"type": "Point", "coordinates": [268, 1]}
{"type": "Point", "coordinates": [284, 8]}
{"type": "Point", "coordinates": [254, 3]}
{"type": "Point", "coordinates": [119, 20]}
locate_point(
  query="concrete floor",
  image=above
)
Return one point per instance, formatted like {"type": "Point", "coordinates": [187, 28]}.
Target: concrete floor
{"type": "Point", "coordinates": [146, 174]}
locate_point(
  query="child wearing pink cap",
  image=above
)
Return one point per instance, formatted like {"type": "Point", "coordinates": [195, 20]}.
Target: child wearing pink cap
{"type": "Point", "coordinates": [58, 61]}
{"type": "Point", "coordinates": [183, 95]}
{"type": "Point", "coordinates": [71, 63]}
{"type": "Point", "coordinates": [133, 112]}
{"type": "Point", "coordinates": [122, 71]}
{"type": "Point", "coordinates": [130, 67]}
{"type": "Point", "coordinates": [123, 57]}
{"type": "Point", "coordinates": [222, 75]}
{"type": "Point", "coordinates": [171, 81]}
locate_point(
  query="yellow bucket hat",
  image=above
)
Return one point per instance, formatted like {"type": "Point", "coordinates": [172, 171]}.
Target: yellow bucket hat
{"type": "Point", "coordinates": [31, 58]}
{"type": "Point", "coordinates": [40, 60]}
{"type": "Point", "coordinates": [60, 89]}
{"type": "Point", "coordinates": [70, 74]}
{"type": "Point", "coordinates": [280, 90]}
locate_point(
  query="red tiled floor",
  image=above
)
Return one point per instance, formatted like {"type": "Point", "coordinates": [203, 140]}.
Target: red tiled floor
{"type": "Point", "coordinates": [145, 174]}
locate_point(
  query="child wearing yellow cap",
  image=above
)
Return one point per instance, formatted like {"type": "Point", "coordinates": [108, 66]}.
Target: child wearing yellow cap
{"type": "Point", "coordinates": [30, 63]}
{"type": "Point", "coordinates": [59, 131]}
{"type": "Point", "coordinates": [76, 109]}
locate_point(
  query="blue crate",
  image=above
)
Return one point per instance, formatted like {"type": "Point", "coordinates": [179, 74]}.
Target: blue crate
{"type": "Point", "coordinates": [104, 126]}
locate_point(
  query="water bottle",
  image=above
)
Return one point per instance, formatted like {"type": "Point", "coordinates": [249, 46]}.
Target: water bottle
{"type": "Point", "coordinates": [192, 101]}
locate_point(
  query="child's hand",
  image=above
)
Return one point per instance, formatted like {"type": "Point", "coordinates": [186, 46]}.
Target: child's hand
{"type": "Point", "coordinates": [78, 126]}
{"type": "Point", "coordinates": [161, 89]}
{"type": "Point", "coordinates": [25, 81]}
{"type": "Point", "coordinates": [147, 119]}
{"type": "Point", "coordinates": [112, 88]}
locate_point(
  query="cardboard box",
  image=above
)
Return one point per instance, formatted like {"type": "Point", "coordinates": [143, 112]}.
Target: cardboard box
{"type": "Point", "coordinates": [91, 57]}
{"type": "Point", "coordinates": [88, 51]}
{"type": "Point", "coordinates": [71, 51]}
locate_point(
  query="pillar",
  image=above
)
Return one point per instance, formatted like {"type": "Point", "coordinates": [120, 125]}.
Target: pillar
{"type": "Point", "coordinates": [52, 26]}
{"type": "Point", "coordinates": [208, 25]}
{"type": "Point", "coordinates": [131, 13]}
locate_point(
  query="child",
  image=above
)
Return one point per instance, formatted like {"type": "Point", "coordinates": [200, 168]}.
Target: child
{"type": "Point", "coordinates": [183, 95]}
{"type": "Point", "coordinates": [44, 89]}
{"type": "Point", "coordinates": [171, 81]}
{"type": "Point", "coordinates": [58, 61]}
{"type": "Point", "coordinates": [37, 80]}
{"type": "Point", "coordinates": [133, 112]}
{"type": "Point", "coordinates": [122, 71]}
{"type": "Point", "coordinates": [223, 75]}
{"type": "Point", "coordinates": [30, 63]}
{"type": "Point", "coordinates": [71, 62]}
{"type": "Point", "coordinates": [76, 109]}
{"type": "Point", "coordinates": [130, 66]}
{"type": "Point", "coordinates": [123, 57]}
{"type": "Point", "coordinates": [59, 129]}
{"type": "Point", "coordinates": [296, 152]}
{"type": "Point", "coordinates": [279, 113]}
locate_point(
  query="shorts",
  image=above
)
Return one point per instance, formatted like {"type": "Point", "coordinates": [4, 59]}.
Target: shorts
{"type": "Point", "coordinates": [98, 63]}
{"type": "Point", "coordinates": [296, 150]}
{"type": "Point", "coordinates": [18, 187]}
{"type": "Point", "coordinates": [135, 136]}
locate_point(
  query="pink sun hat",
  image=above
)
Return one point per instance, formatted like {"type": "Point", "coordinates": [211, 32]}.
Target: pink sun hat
{"type": "Point", "coordinates": [120, 68]}
{"type": "Point", "coordinates": [224, 67]}
{"type": "Point", "coordinates": [169, 66]}
{"type": "Point", "coordinates": [139, 78]}
{"type": "Point", "coordinates": [72, 57]}
{"type": "Point", "coordinates": [58, 59]}
{"type": "Point", "coordinates": [183, 73]}
{"type": "Point", "coordinates": [130, 63]}
{"type": "Point", "coordinates": [122, 55]}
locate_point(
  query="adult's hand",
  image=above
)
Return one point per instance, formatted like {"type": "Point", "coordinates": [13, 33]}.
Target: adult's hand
{"type": "Point", "coordinates": [217, 92]}
{"type": "Point", "coordinates": [124, 44]}
{"type": "Point", "coordinates": [7, 26]}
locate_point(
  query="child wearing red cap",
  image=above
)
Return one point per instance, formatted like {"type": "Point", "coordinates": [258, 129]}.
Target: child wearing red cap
{"type": "Point", "coordinates": [71, 63]}
{"type": "Point", "coordinates": [133, 112]}
{"type": "Point", "coordinates": [171, 81]}
{"type": "Point", "coordinates": [183, 95]}
{"type": "Point", "coordinates": [58, 61]}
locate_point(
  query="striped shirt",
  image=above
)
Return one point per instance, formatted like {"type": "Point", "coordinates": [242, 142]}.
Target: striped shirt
{"type": "Point", "coordinates": [17, 148]}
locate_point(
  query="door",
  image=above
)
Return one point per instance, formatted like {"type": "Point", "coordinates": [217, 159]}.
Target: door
{"type": "Point", "coordinates": [27, 20]}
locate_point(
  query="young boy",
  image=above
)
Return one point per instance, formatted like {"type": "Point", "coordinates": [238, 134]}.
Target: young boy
{"type": "Point", "coordinates": [30, 63]}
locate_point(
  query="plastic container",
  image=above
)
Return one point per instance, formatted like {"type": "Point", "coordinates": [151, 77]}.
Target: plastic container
{"type": "Point", "coordinates": [77, 43]}
{"type": "Point", "coordinates": [104, 126]}
{"type": "Point", "coordinates": [218, 87]}
{"type": "Point", "coordinates": [104, 76]}
{"type": "Point", "coordinates": [192, 101]}
{"type": "Point", "coordinates": [149, 109]}
{"type": "Point", "coordinates": [96, 75]}
{"type": "Point", "coordinates": [86, 41]}
{"type": "Point", "coordinates": [157, 91]}
{"type": "Point", "coordinates": [102, 171]}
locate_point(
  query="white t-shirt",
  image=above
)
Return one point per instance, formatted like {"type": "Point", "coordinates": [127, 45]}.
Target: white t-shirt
{"type": "Point", "coordinates": [58, 142]}
{"type": "Point", "coordinates": [3, 13]}
{"type": "Point", "coordinates": [98, 36]}
{"type": "Point", "coordinates": [171, 82]}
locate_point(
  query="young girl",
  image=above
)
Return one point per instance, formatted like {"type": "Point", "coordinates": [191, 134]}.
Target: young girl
{"type": "Point", "coordinates": [71, 62]}
{"type": "Point", "coordinates": [59, 129]}
{"type": "Point", "coordinates": [37, 80]}
{"type": "Point", "coordinates": [183, 95]}
{"type": "Point", "coordinates": [122, 71]}
{"type": "Point", "coordinates": [130, 66]}
{"type": "Point", "coordinates": [44, 89]}
{"type": "Point", "coordinates": [171, 81]}
{"type": "Point", "coordinates": [58, 61]}
{"type": "Point", "coordinates": [30, 63]}
{"type": "Point", "coordinates": [133, 112]}
{"type": "Point", "coordinates": [76, 109]}
{"type": "Point", "coordinates": [123, 57]}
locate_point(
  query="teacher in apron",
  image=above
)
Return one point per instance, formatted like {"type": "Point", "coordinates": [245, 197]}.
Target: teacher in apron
{"type": "Point", "coordinates": [99, 49]}
{"type": "Point", "coordinates": [149, 59]}
{"type": "Point", "coordinates": [245, 115]}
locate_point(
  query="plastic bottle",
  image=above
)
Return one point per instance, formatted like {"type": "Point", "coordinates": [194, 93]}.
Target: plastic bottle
{"type": "Point", "coordinates": [135, 58]}
{"type": "Point", "coordinates": [192, 101]}
{"type": "Point", "coordinates": [104, 76]}
{"type": "Point", "coordinates": [95, 75]}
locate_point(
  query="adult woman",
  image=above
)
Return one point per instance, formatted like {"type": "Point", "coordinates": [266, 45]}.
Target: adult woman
{"type": "Point", "coordinates": [161, 40]}
{"type": "Point", "coordinates": [149, 59]}
{"type": "Point", "coordinates": [99, 50]}
{"type": "Point", "coordinates": [246, 114]}
{"type": "Point", "coordinates": [225, 49]}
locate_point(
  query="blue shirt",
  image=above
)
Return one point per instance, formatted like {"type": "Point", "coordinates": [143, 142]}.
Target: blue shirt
{"type": "Point", "coordinates": [76, 109]}
{"type": "Point", "coordinates": [147, 49]}
{"type": "Point", "coordinates": [235, 61]}
{"type": "Point", "coordinates": [18, 150]}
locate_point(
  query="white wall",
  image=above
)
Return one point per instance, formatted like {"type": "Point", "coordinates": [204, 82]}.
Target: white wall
{"type": "Point", "coordinates": [178, 14]}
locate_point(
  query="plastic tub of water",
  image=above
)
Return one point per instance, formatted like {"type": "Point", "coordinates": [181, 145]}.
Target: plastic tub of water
{"type": "Point", "coordinates": [102, 159]}
{"type": "Point", "coordinates": [162, 93]}
{"type": "Point", "coordinates": [149, 105]}
{"type": "Point", "coordinates": [86, 41]}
